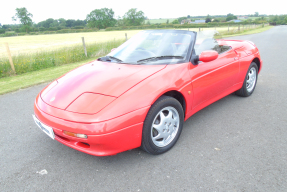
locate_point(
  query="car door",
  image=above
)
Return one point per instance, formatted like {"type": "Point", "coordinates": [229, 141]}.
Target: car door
{"type": "Point", "coordinates": [209, 79]}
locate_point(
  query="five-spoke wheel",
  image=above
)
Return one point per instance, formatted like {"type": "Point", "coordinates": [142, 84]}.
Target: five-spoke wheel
{"type": "Point", "coordinates": [165, 126]}
{"type": "Point", "coordinates": [162, 126]}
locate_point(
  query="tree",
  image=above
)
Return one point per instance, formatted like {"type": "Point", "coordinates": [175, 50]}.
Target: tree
{"type": "Point", "coordinates": [62, 22]}
{"type": "Point", "coordinates": [175, 22]}
{"type": "Point", "coordinates": [25, 18]}
{"type": "Point", "coordinates": [80, 23]}
{"type": "Point", "coordinates": [54, 24]}
{"type": "Point", "coordinates": [47, 23]}
{"type": "Point", "coordinates": [70, 23]}
{"type": "Point", "coordinates": [101, 18]}
{"type": "Point", "coordinates": [188, 16]}
{"type": "Point", "coordinates": [208, 19]}
{"type": "Point", "coordinates": [230, 17]}
{"type": "Point", "coordinates": [256, 14]}
{"type": "Point", "coordinates": [180, 19]}
{"type": "Point", "coordinates": [120, 21]}
{"type": "Point", "coordinates": [167, 21]}
{"type": "Point", "coordinates": [134, 17]}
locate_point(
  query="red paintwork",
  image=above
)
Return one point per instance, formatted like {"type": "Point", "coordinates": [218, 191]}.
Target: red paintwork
{"type": "Point", "coordinates": [207, 56]}
{"type": "Point", "coordinates": [109, 102]}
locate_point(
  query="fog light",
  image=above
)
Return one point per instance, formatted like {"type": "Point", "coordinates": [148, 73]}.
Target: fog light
{"type": "Point", "coordinates": [83, 136]}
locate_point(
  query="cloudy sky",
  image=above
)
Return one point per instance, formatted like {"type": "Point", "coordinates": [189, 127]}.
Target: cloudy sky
{"type": "Point", "coordinates": [153, 9]}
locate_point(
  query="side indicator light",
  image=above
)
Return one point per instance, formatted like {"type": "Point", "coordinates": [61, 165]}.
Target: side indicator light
{"type": "Point", "coordinates": [83, 136]}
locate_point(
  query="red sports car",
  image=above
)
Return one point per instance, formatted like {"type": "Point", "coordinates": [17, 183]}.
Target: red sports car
{"type": "Point", "coordinates": [140, 94]}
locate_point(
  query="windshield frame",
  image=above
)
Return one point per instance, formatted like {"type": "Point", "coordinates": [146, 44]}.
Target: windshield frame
{"type": "Point", "coordinates": [175, 61]}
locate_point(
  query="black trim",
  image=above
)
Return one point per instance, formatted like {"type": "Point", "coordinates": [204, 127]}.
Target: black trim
{"type": "Point", "coordinates": [193, 58]}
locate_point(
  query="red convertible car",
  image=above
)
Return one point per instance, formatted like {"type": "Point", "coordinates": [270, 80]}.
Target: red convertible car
{"type": "Point", "coordinates": [140, 94]}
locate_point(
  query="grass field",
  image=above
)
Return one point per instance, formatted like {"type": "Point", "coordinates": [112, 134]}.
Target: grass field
{"type": "Point", "coordinates": [34, 61]}
{"type": "Point", "coordinates": [37, 43]}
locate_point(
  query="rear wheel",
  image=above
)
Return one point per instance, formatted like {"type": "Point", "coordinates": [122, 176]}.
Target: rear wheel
{"type": "Point", "coordinates": [250, 81]}
{"type": "Point", "coordinates": [162, 126]}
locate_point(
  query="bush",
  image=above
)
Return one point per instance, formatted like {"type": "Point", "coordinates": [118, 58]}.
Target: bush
{"type": "Point", "coordinates": [52, 29]}
{"type": "Point", "coordinates": [33, 33]}
{"type": "Point", "coordinates": [78, 27]}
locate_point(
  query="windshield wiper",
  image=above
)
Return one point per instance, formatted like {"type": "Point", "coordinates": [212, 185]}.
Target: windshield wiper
{"type": "Point", "coordinates": [159, 58]}
{"type": "Point", "coordinates": [110, 58]}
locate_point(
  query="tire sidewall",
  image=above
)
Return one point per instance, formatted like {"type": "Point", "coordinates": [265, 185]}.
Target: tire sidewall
{"type": "Point", "coordinates": [161, 103]}
{"type": "Point", "coordinates": [244, 84]}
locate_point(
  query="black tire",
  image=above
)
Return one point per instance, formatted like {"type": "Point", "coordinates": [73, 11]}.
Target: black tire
{"type": "Point", "coordinates": [171, 125]}
{"type": "Point", "coordinates": [244, 91]}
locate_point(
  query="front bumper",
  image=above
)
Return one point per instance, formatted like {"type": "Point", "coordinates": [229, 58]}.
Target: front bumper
{"type": "Point", "coordinates": [126, 132]}
{"type": "Point", "coordinates": [103, 145]}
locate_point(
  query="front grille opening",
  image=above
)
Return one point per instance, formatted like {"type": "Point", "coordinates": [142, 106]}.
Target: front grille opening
{"type": "Point", "coordinates": [82, 144]}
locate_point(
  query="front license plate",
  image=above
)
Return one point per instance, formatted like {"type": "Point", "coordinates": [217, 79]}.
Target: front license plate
{"type": "Point", "coordinates": [48, 130]}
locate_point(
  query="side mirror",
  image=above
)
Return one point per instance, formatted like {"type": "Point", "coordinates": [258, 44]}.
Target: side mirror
{"type": "Point", "coordinates": [113, 49]}
{"type": "Point", "coordinates": [207, 56]}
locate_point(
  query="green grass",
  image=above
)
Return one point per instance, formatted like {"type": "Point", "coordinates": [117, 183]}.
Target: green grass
{"type": "Point", "coordinates": [244, 32]}
{"type": "Point", "coordinates": [13, 83]}
{"type": "Point", "coordinates": [40, 60]}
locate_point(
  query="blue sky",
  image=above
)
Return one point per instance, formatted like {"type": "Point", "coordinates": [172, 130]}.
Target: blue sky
{"type": "Point", "coordinates": [56, 9]}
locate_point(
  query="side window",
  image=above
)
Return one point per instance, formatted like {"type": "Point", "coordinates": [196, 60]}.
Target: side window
{"type": "Point", "coordinates": [207, 44]}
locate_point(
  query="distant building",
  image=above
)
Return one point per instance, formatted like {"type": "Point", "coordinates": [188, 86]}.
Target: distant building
{"type": "Point", "coordinates": [242, 17]}
{"type": "Point", "coordinates": [185, 21]}
{"type": "Point", "coordinates": [198, 21]}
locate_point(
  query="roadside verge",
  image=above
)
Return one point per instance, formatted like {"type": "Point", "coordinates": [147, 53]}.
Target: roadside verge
{"type": "Point", "coordinates": [13, 83]}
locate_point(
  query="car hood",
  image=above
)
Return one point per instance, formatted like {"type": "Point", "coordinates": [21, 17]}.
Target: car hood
{"type": "Point", "coordinates": [100, 78]}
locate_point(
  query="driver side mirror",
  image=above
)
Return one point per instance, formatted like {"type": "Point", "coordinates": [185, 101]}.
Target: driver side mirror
{"type": "Point", "coordinates": [207, 56]}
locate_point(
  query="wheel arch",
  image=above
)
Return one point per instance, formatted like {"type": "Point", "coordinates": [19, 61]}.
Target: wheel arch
{"type": "Point", "coordinates": [257, 61]}
{"type": "Point", "coordinates": [178, 96]}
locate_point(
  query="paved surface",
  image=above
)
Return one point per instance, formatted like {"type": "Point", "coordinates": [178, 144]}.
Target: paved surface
{"type": "Point", "coordinates": [251, 134]}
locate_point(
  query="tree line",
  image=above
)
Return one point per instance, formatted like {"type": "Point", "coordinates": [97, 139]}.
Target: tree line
{"type": "Point", "coordinates": [105, 18]}
{"type": "Point", "coordinates": [98, 18]}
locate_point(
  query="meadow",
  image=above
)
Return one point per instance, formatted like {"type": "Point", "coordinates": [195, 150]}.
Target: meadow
{"type": "Point", "coordinates": [37, 43]}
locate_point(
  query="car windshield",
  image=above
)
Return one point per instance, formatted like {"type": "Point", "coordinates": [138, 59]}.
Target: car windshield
{"type": "Point", "coordinates": [154, 47]}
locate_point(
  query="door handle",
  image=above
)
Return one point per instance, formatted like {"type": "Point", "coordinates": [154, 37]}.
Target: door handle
{"type": "Point", "coordinates": [235, 58]}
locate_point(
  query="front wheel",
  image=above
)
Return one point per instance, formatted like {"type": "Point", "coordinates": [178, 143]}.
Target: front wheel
{"type": "Point", "coordinates": [162, 126]}
{"type": "Point", "coordinates": [249, 81]}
